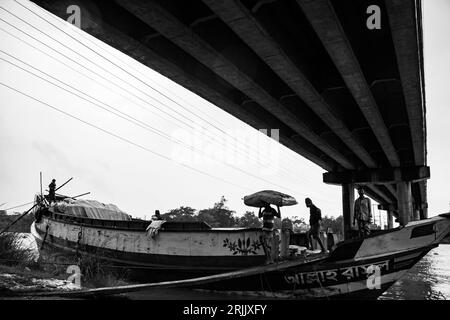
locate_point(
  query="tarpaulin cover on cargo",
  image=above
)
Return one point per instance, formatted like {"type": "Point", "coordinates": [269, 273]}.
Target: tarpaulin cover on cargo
{"type": "Point", "coordinates": [261, 198]}
{"type": "Point", "coordinates": [91, 209]}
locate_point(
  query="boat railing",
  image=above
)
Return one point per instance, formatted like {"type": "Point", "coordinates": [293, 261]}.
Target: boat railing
{"type": "Point", "coordinates": [141, 225]}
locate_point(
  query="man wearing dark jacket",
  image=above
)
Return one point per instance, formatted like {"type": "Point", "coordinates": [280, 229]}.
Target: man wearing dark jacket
{"type": "Point", "coordinates": [315, 217]}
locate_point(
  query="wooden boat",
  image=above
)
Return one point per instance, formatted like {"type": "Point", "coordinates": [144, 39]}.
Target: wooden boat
{"type": "Point", "coordinates": [178, 250]}
{"type": "Point", "coordinates": [231, 260]}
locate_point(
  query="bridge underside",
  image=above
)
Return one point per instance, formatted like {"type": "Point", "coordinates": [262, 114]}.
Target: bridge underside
{"type": "Point", "coordinates": [348, 98]}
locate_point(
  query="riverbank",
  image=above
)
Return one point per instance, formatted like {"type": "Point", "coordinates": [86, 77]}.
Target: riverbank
{"type": "Point", "coordinates": [19, 279]}
{"type": "Point", "coordinates": [23, 270]}
{"type": "Point", "coordinates": [20, 270]}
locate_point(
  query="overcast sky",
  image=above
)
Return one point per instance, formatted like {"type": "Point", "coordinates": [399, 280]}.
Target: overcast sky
{"type": "Point", "coordinates": [149, 152]}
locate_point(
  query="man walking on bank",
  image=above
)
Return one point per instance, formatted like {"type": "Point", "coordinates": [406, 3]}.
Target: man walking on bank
{"type": "Point", "coordinates": [315, 216]}
{"type": "Point", "coordinates": [362, 213]}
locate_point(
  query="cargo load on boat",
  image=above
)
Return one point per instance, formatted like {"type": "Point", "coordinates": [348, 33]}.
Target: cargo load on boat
{"type": "Point", "coordinates": [261, 198]}
{"type": "Point", "coordinates": [90, 209]}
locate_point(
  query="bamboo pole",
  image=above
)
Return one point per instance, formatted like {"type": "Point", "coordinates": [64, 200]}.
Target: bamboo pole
{"type": "Point", "coordinates": [63, 184]}
{"type": "Point", "coordinates": [83, 194]}
{"type": "Point", "coordinates": [40, 177]}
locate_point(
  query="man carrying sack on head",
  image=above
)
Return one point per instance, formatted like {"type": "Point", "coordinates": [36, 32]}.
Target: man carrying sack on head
{"type": "Point", "coordinates": [268, 215]}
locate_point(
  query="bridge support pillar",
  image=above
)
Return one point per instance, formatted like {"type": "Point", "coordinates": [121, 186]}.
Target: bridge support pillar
{"type": "Point", "coordinates": [424, 213]}
{"type": "Point", "coordinates": [424, 208]}
{"type": "Point", "coordinates": [348, 201]}
{"type": "Point", "coordinates": [405, 206]}
{"type": "Point", "coordinates": [390, 219]}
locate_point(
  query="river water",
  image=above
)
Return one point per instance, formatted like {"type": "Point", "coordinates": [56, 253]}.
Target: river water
{"type": "Point", "coordinates": [429, 279]}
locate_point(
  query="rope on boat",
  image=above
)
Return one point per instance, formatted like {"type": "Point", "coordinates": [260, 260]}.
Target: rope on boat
{"type": "Point", "coordinates": [80, 235]}
{"type": "Point", "coordinates": [45, 237]}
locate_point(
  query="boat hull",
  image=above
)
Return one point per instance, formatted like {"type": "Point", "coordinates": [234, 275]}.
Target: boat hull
{"type": "Point", "coordinates": [171, 254]}
{"type": "Point", "coordinates": [364, 279]}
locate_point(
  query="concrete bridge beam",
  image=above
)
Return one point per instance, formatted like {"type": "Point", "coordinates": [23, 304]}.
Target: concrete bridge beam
{"type": "Point", "coordinates": [406, 40]}
{"type": "Point", "coordinates": [323, 19]}
{"type": "Point", "coordinates": [94, 25]}
{"type": "Point", "coordinates": [165, 23]}
{"type": "Point", "coordinates": [246, 26]}
{"type": "Point", "coordinates": [380, 176]}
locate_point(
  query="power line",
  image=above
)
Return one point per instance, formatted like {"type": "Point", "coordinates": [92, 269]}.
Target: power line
{"type": "Point", "coordinates": [59, 60]}
{"type": "Point", "coordinates": [120, 137]}
{"type": "Point", "coordinates": [121, 68]}
{"type": "Point", "coordinates": [106, 70]}
{"type": "Point", "coordinates": [153, 130]}
{"type": "Point", "coordinates": [160, 134]}
{"type": "Point", "coordinates": [21, 205]}
{"type": "Point", "coordinates": [133, 120]}
{"type": "Point", "coordinates": [96, 73]}
{"type": "Point", "coordinates": [118, 66]}
{"type": "Point", "coordinates": [57, 52]}
{"type": "Point", "coordinates": [80, 55]}
{"type": "Point", "coordinates": [282, 168]}
{"type": "Point", "coordinates": [82, 34]}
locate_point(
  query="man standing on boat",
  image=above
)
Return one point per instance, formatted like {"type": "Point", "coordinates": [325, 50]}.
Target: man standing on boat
{"type": "Point", "coordinates": [362, 213]}
{"type": "Point", "coordinates": [315, 216]}
{"type": "Point", "coordinates": [268, 215]}
{"type": "Point", "coordinates": [52, 191]}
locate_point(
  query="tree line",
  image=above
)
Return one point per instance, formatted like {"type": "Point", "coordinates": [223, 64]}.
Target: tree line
{"type": "Point", "coordinates": [220, 216]}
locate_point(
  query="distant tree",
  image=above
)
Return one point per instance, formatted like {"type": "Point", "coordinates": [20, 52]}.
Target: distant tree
{"type": "Point", "coordinates": [249, 220]}
{"type": "Point", "coordinates": [277, 223]}
{"type": "Point", "coordinates": [219, 215]}
{"type": "Point", "coordinates": [335, 224]}
{"type": "Point", "coordinates": [22, 225]}
{"type": "Point", "coordinates": [180, 214]}
{"type": "Point", "coordinates": [297, 220]}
